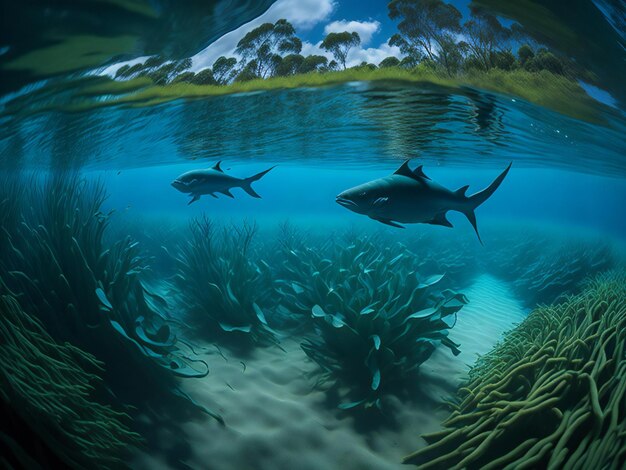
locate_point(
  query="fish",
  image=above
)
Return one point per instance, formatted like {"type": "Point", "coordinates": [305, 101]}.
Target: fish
{"type": "Point", "coordinates": [213, 180]}
{"type": "Point", "coordinates": [409, 196]}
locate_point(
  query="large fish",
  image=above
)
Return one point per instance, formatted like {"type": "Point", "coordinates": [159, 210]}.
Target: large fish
{"type": "Point", "coordinates": [213, 180]}
{"type": "Point", "coordinates": [409, 196]}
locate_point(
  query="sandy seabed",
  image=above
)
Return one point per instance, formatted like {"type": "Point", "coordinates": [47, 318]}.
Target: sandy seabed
{"type": "Point", "coordinates": [277, 418]}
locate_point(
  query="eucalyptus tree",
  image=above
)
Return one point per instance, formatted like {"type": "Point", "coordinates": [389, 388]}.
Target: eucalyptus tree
{"type": "Point", "coordinates": [430, 26]}
{"type": "Point", "coordinates": [204, 77]}
{"type": "Point", "coordinates": [224, 69]}
{"type": "Point", "coordinates": [485, 36]}
{"type": "Point", "coordinates": [262, 48]}
{"type": "Point", "coordinates": [289, 65]}
{"type": "Point", "coordinates": [339, 44]}
{"type": "Point", "coordinates": [390, 61]}
{"type": "Point", "coordinates": [313, 63]}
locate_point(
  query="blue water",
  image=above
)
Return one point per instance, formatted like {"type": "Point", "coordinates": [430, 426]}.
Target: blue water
{"type": "Point", "coordinates": [250, 333]}
{"type": "Point", "coordinates": [585, 203]}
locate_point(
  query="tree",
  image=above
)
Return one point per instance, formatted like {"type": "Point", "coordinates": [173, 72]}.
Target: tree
{"type": "Point", "coordinates": [426, 25]}
{"type": "Point", "coordinates": [185, 77]}
{"type": "Point", "coordinates": [181, 66]}
{"type": "Point", "coordinates": [389, 62]}
{"type": "Point", "coordinates": [204, 77]}
{"type": "Point", "coordinates": [485, 36]}
{"type": "Point", "coordinates": [247, 72]}
{"type": "Point", "coordinates": [313, 63]}
{"type": "Point", "coordinates": [366, 66]}
{"type": "Point", "coordinates": [122, 71]}
{"type": "Point", "coordinates": [546, 60]}
{"type": "Point", "coordinates": [161, 75]}
{"type": "Point", "coordinates": [129, 71]}
{"type": "Point", "coordinates": [224, 69]}
{"type": "Point", "coordinates": [504, 60]}
{"type": "Point", "coordinates": [408, 62]}
{"type": "Point", "coordinates": [339, 44]}
{"type": "Point", "coordinates": [525, 53]}
{"type": "Point", "coordinates": [154, 61]}
{"type": "Point", "coordinates": [411, 51]}
{"type": "Point", "coordinates": [289, 65]}
{"type": "Point", "coordinates": [264, 46]}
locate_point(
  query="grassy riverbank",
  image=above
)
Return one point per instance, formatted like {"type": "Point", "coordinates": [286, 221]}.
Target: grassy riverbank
{"type": "Point", "coordinates": [554, 92]}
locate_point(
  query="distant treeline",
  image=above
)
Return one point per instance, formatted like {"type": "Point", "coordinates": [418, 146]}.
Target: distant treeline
{"type": "Point", "coordinates": [430, 34]}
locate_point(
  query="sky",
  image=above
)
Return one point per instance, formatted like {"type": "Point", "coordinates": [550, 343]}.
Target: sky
{"type": "Point", "coordinates": [313, 19]}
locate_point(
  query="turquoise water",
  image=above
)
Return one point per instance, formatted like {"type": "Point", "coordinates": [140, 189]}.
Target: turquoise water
{"type": "Point", "coordinates": [139, 330]}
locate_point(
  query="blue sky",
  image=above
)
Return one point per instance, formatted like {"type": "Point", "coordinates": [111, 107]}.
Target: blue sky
{"type": "Point", "coordinates": [313, 19]}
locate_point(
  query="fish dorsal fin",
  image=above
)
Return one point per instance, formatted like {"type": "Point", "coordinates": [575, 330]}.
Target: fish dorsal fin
{"type": "Point", "coordinates": [217, 167]}
{"type": "Point", "coordinates": [461, 191]}
{"type": "Point", "coordinates": [419, 171]}
{"type": "Point", "coordinates": [404, 170]}
{"type": "Point", "coordinates": [416, 174]}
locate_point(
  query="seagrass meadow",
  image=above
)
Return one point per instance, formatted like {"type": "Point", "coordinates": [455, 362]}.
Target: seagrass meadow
{"type": "Point", "coordinates": [312, 234]}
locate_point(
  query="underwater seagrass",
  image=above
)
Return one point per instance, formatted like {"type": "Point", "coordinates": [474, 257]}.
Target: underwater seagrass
{"type": "Point", "coordinates": [552, 394]}
{"type": "Point", "coordinates": [221, 284]}
{"type": "Point", "coordinates": [544, 270]}
{"type": "Point", "coordinates": [376, 318]}
{"type": "Point", "coordinates": [88, 291]}
{"type": "Point", "coordinates": [46, 401]}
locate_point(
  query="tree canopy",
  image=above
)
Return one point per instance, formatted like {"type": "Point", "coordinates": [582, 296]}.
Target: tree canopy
{"type": "Point", "coordinates": [429, 26]}
{"type": "Point", "coordinates": [430, 34]}
{"type": "Point", "coordinates": [263, 46]}
{"type": "Point", "coordinates": [339, 44]}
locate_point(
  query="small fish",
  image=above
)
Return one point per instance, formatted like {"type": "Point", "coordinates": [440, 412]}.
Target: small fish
{"type": "Point", "coordinates": [409, 196]}
{"type": "Point", "coordinates": [213, 180]}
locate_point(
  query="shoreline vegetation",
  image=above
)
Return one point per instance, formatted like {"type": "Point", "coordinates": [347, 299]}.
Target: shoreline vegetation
{"type": "Point", "coordinates": [545, 89]}
{"type": "Point", "coordinates": [437, 46]}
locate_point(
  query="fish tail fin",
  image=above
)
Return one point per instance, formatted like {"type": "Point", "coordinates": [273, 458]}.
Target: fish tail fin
{"type": "Point", "coordinates": [247, 183]}
{"type": "Point", "coordinates": [477, 199]}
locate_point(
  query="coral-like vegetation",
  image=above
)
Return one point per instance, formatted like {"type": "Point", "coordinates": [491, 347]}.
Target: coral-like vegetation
{"type": "Point", "coordinates": [89, 292]}
{"type": "Point", "coordinates": [550, 395]}
{"type": "Point", "coordinates": [376, 319]}
{"type": "Point", "coordinates": [222, 284]}
{"type": "Point", "coordinates": [46, 398]}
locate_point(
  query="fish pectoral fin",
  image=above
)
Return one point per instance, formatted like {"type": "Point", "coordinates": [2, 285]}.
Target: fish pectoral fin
{"type": "Point", "coordinates": [440, 219]}
{"type": "Point", "coordinates": [387, 222]}
{"type": "Point", "coordinates": [194, 198]}
{"type": "Point", "coordinates": [227, 193]}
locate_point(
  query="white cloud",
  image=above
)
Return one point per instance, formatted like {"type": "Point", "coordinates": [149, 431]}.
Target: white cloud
{"type": "Point", "coordinates": [303, 14]}
{"type": "Point", "coordinates": [371, 55]}
{"type": "Point", "coordinates": [366, 29]}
